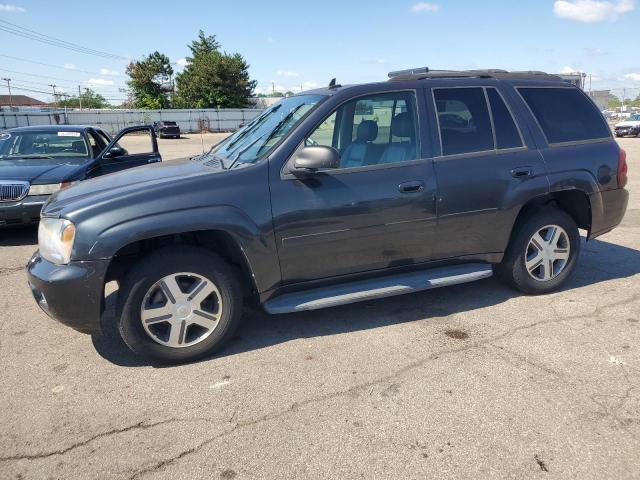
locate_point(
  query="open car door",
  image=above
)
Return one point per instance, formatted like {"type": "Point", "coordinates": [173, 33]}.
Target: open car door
{"type": "Point", "coordinates": [131, 147]}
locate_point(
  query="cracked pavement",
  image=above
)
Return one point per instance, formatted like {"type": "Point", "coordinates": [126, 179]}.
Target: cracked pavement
{"type": "Point", "coordinates": [472, 381]}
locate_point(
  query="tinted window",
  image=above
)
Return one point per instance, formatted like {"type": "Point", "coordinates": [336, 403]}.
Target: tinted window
{"type": "Point", "coordinates": [507, 134]}
{"type": "Point", "coordinates": [371, 130]}
{"type": "Point", "coordinates": [565, 114]}
{"type": "Point", "coordinates": [464, 121]}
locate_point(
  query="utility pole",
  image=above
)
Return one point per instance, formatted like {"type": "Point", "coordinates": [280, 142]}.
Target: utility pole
{"type": "Point", "coordinates": [55, 100]}
{"type": "Point", "coordinates": [80, 97]}
{"type": "Point", "coordinates": [8, 80]}
{"type": "Point", "coordinates": [273, 88]}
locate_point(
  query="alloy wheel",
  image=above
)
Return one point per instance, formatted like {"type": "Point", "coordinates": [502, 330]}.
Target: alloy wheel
{"type": "Point", "coordinates": [547, 253]}
{"type": "Point", "coordinates": [181, 309]}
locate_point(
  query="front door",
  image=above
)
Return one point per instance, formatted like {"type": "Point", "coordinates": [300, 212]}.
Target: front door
{"type": "Point", "coordinates": [485, 173]}
{"type": "Point", "coordinates": [132, 147]}
{"type": "Point", "coordinates": [377, 210]}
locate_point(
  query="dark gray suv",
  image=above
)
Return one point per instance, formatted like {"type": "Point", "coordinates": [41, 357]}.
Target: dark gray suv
{"type": "Point", "coordinates": [333, 196]}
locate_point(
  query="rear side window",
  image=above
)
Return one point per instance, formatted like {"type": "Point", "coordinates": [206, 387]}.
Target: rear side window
{"type": "Point", "coordinates": [507, 133]}
{"type": "Point", "coordinates": [565, 114]}
{"type": "Point", "coordinates": [463, 117]}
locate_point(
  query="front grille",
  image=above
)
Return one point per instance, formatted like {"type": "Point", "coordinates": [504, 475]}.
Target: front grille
{"type": "Point", "coordinates": [13, 191]}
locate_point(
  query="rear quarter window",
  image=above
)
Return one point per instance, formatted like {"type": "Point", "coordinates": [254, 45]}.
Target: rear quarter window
{"type": "Point", "coordinates": [565, 114]}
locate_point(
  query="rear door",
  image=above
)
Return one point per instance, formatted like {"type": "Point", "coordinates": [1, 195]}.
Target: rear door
{"type": "Point", "coordinates": [377, 210]}
{"type": "Point", "coordinates": [488, 166]}
{"type": "Point", "coordinates": [132, 147]}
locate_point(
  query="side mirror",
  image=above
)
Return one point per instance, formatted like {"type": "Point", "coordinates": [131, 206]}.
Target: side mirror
{"type": "Point", "coordinates": [311, 159]}
{"type": "Point", "coordinates": [115, 152]}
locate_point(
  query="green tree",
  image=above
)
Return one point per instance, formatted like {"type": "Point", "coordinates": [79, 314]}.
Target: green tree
{"type": "Point", "coordinates": [213, 78]}
{"type": "Point", "coordinates": [614, 102]}
{"type": "Point", "coordinates": [90, 99]}
{"type": "Point", "coordinates": [147, 81]}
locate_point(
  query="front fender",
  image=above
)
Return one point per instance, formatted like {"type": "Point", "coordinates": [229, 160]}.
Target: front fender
{"type": "Point", "coordinates": [257, 245]}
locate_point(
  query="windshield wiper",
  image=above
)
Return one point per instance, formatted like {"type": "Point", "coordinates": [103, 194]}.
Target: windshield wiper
{"type": "Point", "coordinates": [240, 152]}
{"type": "Point", "coordinates": [31, 157]}
{"type": "Point", "coordinates": [250, 127]}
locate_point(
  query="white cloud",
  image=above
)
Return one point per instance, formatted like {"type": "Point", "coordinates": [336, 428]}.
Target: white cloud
{"type": "Point", "coordinates": [182, 62]}
{"type": "Point", "coordinates": [69, 66]}
{"type": "Point", "coordinates": [106, 71]}
{"type": "Point", "coordinates": [568, 70]}
{"type": "Point", "coordinates": [99, 82]}
{"type": "Point", "coordinates": [424, 7]}
{"type": "Point", "coordinates": [7, 7]}
{"type": "Point", "coordinates": [309, 85]}
{"type": "Point", "coordinates": [270, 39]}
{"type": "Point", "coordinates": [635, 76]}
{"type": "Point", "coordinates": [287, 73]}
{"type": "Point", "coordinates": [589, 11]}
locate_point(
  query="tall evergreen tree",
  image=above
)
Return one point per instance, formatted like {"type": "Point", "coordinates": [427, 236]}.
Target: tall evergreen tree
{"type": "Point", "coordinates": [146, 81]}
{"type": "Point", "coordinates": [213, 78]}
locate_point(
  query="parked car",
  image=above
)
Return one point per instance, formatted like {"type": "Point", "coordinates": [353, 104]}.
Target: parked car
{"type": "Point", "coordinates": [37, 161]}
{"type": "Point", "coordinates": [316, 204]}
{"type": "Point", "coordinates": [166, 129]}
{"type": "Point", "coordinates": [630, 126]}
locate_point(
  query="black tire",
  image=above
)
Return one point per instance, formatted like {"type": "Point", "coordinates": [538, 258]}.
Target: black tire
{"type": "Point", "coordinates": [513, 268]}
{"type": "Point", "coordinates": [169, 261]}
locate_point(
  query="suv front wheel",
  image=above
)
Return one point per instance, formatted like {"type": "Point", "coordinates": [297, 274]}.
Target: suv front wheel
{"type": "Point", "coordinates": [179, 304]}
{"type": "Point", "coordinates": [543, 252]}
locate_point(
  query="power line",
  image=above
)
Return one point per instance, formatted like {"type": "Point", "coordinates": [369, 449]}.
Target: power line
{"type": "Point", "coordinates": [51, 65]}
{"type": "Point", "coordinates": [56, 42]}
{"type": "Point", "coordinates": [47, 77]}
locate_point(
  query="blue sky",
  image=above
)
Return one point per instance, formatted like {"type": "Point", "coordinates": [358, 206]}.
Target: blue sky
{"type": "Point", "coordinates": [301, 45]}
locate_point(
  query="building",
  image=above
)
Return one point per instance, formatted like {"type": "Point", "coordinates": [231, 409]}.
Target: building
{"type": "Point", "coordinates": [600, 98]}
{"type": "Point", "coordinates": [20, 101]}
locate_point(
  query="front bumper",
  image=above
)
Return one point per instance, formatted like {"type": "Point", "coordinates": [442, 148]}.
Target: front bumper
{"type": "Point", "coordinates": [72, 294]}
{"type": "Point", "coordinates": [622, 131]}
{"type": "Point", "coordinates": [24, 212]}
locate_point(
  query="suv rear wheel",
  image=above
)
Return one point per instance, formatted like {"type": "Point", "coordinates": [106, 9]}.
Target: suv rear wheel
{"type": "Point", "coordinates": [543, 252]}
{"type": "Point", "coordinates": [179, 304]}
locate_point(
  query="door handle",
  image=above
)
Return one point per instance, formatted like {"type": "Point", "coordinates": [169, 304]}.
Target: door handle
{"type": "Point", "coordinates": [522, 172]}
{"type": "Point", "coordinates": [411, 187]}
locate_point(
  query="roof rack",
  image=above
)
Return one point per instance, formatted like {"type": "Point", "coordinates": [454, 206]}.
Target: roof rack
{"type": "Point", "coordinates": [425, 72]}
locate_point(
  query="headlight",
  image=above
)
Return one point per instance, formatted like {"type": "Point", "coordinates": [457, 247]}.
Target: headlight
{"type": "Point", "coordinates": [44, 189]}
{"type": "Point", "coordinates": [55, 239]}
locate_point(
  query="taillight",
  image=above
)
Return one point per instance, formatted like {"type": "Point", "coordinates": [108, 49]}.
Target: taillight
{"type": "Point", "coordinates": [622, 169]}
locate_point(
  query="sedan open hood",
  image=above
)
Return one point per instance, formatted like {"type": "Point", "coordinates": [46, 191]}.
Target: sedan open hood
{"type": "Point", "coordinates": [628, 123]}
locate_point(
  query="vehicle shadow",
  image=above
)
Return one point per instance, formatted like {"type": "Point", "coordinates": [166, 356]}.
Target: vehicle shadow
{"type": "Point", "coordinates": [600, 261]}
{"type": "Point", "coordinates": [19, 236]}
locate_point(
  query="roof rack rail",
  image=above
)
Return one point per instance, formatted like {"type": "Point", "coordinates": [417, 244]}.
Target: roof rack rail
{"type": "Point", "coordinates": [425, 72]}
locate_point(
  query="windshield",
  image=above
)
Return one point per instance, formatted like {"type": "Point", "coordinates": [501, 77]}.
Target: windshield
{"type": "Point", "coordinates": [257, 139]}
{"type": "Point", "coordinates": [33, 145]}
{"type": "Point", "coordinates": [635, 117]}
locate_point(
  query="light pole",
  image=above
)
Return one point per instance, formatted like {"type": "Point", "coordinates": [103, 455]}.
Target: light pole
{"type": "Point", "coordinates": [53, 86]}
{"type": "Point", "coordinates": [8, 80]}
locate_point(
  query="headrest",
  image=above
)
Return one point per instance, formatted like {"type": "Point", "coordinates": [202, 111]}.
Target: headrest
{"type": "Point", "coordinates": [367, 131]}
{"type": "Point", "coordinates": [78, 146]}
{"type": "Point", "coordinates": [402, 125]}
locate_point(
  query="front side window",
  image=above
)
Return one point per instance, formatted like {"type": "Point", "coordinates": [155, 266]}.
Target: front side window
{"type": "Point", "coordinates": [34, 145]}
{"type": "Point", "coordinates": [375, 130]}
{"type": "Point", "coordinates": [565, 114]}
{"type": "Point", "coordinates": [463, 119]}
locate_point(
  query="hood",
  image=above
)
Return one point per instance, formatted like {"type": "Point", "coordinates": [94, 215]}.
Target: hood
{"type": "Point", "coordinates": [127, 184]}
{"type": "Point", "coordinates": [628, 123]}
{"type": "Point", "coordinates": [39, 171]}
